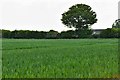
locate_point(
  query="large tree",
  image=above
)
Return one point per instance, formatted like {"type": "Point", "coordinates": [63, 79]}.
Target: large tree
{"type": "Point", "coordinates": [79, 16]}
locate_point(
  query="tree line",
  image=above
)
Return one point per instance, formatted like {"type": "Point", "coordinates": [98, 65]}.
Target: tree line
{"type": "Point", "coordinates": [70, 34]}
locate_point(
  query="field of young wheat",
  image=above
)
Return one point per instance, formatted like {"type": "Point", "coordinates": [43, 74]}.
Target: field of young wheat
{"type": "Point", "coordinates": [59, 58]}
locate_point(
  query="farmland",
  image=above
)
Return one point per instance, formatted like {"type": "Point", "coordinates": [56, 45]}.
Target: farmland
{"type": "Point", "coordinates": [59, 58]}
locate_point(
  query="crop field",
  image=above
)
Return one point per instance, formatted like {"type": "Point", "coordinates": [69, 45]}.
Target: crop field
{"type": "Point", "coordinates": [59, 58]}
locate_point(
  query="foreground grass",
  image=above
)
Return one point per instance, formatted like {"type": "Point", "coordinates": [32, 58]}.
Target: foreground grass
{"type": "Point", "coordinates": [79, 58]}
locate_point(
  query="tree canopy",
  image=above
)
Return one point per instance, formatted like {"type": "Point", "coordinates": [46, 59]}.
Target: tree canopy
{"type": "Point", "coordinates": [116, 24]}
{"type": "Point", "coordinates": [79, 16]}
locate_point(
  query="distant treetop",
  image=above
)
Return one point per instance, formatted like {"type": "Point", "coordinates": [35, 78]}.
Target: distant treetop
{"type": "Point", "coordinates": [116, 24]}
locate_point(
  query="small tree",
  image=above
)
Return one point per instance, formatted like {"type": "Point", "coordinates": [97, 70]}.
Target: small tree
{"type": "Point", "coordinates": [116, 24]}
{"type": "Point", "coordinates": [81, 17]}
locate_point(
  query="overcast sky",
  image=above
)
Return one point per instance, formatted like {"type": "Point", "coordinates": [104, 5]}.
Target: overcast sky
{"type": "Point", "coordinates": [44, 15]}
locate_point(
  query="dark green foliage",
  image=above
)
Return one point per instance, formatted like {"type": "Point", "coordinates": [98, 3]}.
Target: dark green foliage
{"type": "Point", "coordinates": [84, 33]}
{"type": "Point", "coordinates": [113, 32]}
{"type": "Point", "coordinates": [52, 34]}
{"type": "Point", "coordinates": [23, 34]}
{"type": "Point", "coordinates": [26, 34]}
{"type": "Point", "coordinates": [6, 33]}
{"type": "Point", "coordinates": [68, 34]}
{"type": "Point", "coordinates": [110, 33]}
{"type": "Point", "coordinates": [96, 36]}
{"type": "Point", "coordinates": [81, 17]}
{"type": "Point", "coordinates": [116, 24]}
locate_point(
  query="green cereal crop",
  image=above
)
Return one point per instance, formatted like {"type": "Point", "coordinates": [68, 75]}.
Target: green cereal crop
{"type": "Point", "coordinates": [59, 58]}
